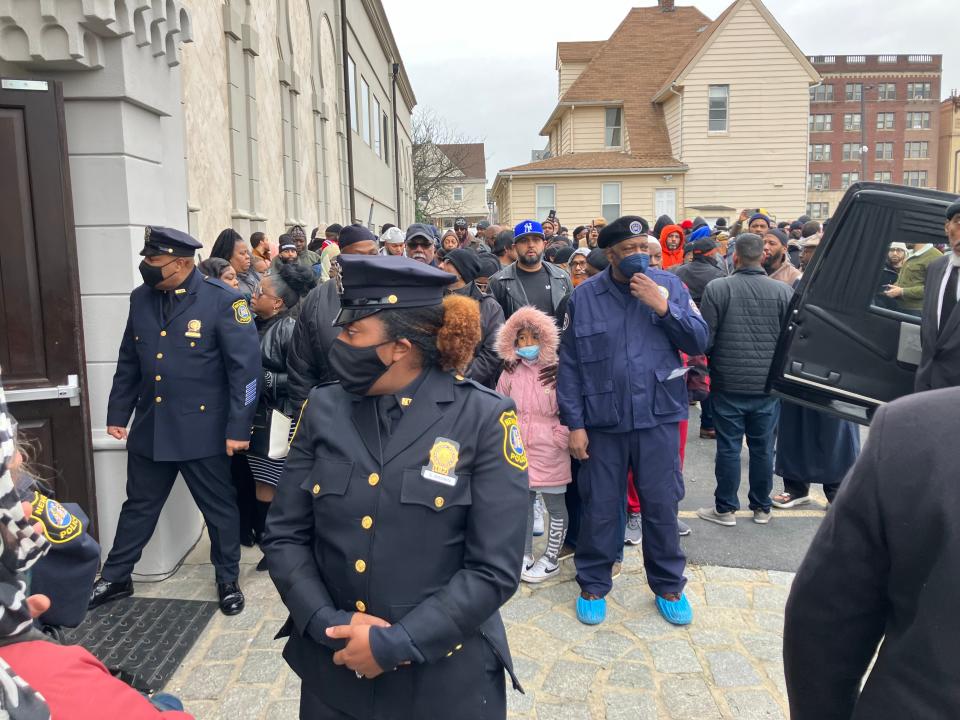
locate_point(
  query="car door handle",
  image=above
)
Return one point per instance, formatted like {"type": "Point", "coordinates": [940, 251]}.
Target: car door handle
{"type": "Point", "coordinates": [831, 378]}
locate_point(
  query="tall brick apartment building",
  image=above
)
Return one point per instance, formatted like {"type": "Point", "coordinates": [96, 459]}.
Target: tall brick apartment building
{"type": "Point", "coordinates": [888, 104]}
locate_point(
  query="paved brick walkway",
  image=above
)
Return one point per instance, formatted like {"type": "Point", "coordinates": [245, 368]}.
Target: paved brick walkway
{"type": "Point", "coordinates": [634, 666]}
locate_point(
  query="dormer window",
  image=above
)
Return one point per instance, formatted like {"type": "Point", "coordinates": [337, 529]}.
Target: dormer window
{"type": "Point", "coordinates": [613, 136]}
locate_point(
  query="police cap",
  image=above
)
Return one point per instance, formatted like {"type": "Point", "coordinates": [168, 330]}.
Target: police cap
{"type": "Point", "coordinates": [167, 241]}
{"type": "Point", "coordinates": [953, 209]}
{"type": "Point", "coordinates": [623, 228]}
{"type": "Point", "coordinates": [371, 283]}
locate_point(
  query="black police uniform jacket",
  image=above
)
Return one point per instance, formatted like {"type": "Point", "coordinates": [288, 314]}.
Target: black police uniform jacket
{"type": "Point", "coordinates": [193, 379]}
{"type": "Point", "coordinates": [360, 527]}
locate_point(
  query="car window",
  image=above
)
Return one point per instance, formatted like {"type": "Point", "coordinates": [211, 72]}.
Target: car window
{"type": "Point", "coordinates": [895, 276]}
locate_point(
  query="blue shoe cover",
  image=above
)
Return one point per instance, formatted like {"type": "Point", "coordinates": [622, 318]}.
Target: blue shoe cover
{"type": "Point", "coordinates": [675, 612]}
{"type": "Point", "coordinates": [591, 612]}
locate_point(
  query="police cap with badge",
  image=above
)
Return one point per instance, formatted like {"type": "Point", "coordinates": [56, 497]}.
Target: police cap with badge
{"type": "Point", "coordinates": [371, 283]}
{"type": "Point", "coordinates": [168, 241]}
{"type": "Point", "coordinates": [623, 228]}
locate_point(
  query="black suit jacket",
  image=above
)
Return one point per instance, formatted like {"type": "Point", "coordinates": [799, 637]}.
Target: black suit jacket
{"type": "Point", "coordinates": [940, 351]}
{"type": "Point", "coordinates": [884, 566]}
{"type": "Point", "coordinates": [364, 523]}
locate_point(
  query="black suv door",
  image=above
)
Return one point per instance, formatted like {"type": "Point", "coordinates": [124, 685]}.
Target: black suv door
{"type": "Point", "coordinates": [848, 348]}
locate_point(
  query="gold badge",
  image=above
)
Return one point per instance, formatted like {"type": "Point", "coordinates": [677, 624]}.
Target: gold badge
{"type": "Point", "coordinates": [405, 402]}
{"type": "Point", "coordinates": [193, 329]}
{"type": "Point", "coordinates": [513, 451]}
{"type": "Point", "coordinates": [242, 313]}
{"type": "Point", "coordinates": [443, 460]}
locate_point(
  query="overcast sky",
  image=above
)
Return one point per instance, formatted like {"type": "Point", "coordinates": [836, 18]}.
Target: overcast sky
{"type": "Point", "coordinates": [487, 67]}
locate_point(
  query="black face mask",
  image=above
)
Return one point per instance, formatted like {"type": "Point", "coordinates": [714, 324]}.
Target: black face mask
{"type": "Point", "coordinates": [153, 274]}
{"type": "Point", "coordinates": [357, 367]}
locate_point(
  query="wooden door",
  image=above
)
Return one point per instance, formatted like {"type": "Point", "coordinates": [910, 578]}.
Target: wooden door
{"type": "Point", "coordinates": [41, 341]}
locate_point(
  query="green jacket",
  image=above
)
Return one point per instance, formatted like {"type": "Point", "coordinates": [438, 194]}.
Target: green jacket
{"type": "Point", "coordinates": [913, 276]}
{"type": "Point", "coordinates": [308, 258]}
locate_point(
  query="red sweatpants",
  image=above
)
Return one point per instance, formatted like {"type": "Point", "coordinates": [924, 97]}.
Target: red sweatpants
{"type": "Point", "coordinates": [633, 502]}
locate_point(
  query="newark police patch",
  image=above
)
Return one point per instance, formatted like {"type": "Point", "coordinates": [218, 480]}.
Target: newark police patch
{"type": "Point", "coordinates": [59, 524]}
{"type": "Point", "coordinates": [242, 313]}
{"type": "Point", "coordinates": [513, 450]}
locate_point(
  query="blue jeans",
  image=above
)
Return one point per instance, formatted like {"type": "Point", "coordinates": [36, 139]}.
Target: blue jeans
{"type": "Point", "coordinates": [706, 414]}
{"type": "Point", "coordinates": [756, 417]}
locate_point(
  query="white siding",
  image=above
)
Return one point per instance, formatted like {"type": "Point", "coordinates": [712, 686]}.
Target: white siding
{"type": "Point", "coordinates": [762, 159]}
{"type": "Point", "coordinates": [672, 107]}
{"type": "Point", "coordinates": [589, 129]}
{"type": "Point", "coordinates": [569, 72]}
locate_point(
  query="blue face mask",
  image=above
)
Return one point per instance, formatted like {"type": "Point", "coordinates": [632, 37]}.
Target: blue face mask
{"type": "Point", "coordinates": [633, 264]}
{"type": "Point", "coordinates": [530, 352]}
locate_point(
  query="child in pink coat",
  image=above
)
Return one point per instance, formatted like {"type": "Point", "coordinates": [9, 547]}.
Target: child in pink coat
{"type": "Point", "coordinates": [528, 342]}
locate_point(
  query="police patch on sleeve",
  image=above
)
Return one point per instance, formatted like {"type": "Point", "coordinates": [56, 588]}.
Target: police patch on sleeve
{"type": "Point", "coordinates": [513, 451]}
{"type": "Point", "coordinates": [241, 312]}
{"type": "Point", "coordinates": [59, 524]}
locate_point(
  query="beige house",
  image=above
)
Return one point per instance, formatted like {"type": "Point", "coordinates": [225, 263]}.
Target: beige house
{"type": "Point", "coordinates": [712, 121]}
{"type": "Point", "coordinates": [462, 192]}
{"type": "Point", "coordinates": [949, 152]}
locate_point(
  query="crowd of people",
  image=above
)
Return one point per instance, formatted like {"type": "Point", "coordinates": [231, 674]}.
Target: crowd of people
{"type": "Point", "coordinates": [355, 357]}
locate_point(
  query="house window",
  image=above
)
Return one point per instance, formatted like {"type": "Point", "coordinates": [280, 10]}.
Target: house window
{"type": "Point", "coordinates": [719, 100]}
{"type": "Point", "coordinates": [458, 193]}
{"type": "Point", "coordinates": [917, 150]}
{"type": "Point", "coordinates": [847, 179]}
{"type": "Point", "coordinates": [819, 153]}
{"type": "Point", "coordinates": [613, 136]}
{"type": "Point", "coordinates": [887, 91]}
{"type": "Point", "coordinates": [386, 140]}
{"type": "Point", "coordinates": [821, 123]}
{"type": "Point", "coordinates": [915, 178]}
{"type": "Point", "coordinates": [884, 151]}
{"type": "Point", "coordinates": [885, 121]}
{"type": "Point", "coordinates": [918, 120]}
{"type": "Point", "coordinates": [818, 181]}
{"type": "Point", "coordinates": [546, 200]}
{"type": "Point", "coordinates": [352, 94]}
{"type": "Point", "coordinates": [364, 110]}
{"type": "Point", "coordinates": [818, 210]}
{"type": "Point", "coordinates": [851, 151]}
{"type": "Point", "coordinates": [918, 91]}
{"type": "Point", "coordinates": [821, 93]}
{"type": "Point", "coordinates": [610, 201]}
{"type": "Point", "coordinates": [377, 147]}
{"type": "Point", "coordinates": [854, 92]}
{"type": "Point", "coordinates": [852, 121]}
{"type": "Point", "coordinates": [884, 176]}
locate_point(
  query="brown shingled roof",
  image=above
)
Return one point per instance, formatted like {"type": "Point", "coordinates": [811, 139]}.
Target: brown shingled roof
{"type": "Point", "coordinates": [633, 65]}
{"type": "Point", "coordinates": [600, 161]}
{"type": "Point", "coordinates": [469, 157]}
{"type": "Point", "coordinates": [702, 39]}
{"type": "Point", "coordinates": [582, 51]}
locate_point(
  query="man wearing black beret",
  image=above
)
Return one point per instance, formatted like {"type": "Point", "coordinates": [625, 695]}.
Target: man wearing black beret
{"type": "Point", "coordinates": [622, 392]}
{"type": "Point", "coordinates": [940, 323]}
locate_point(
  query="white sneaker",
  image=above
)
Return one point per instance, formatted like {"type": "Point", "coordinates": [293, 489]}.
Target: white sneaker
{"type": "Point", "coordinates": [633, 535]}
{"type": "Point", "coordinates": [538, 511]}
{"type": "Point", "coordinates": [527, 564]}
{"type": "Point", "coordinates": [541, 570]}
{"type": "Point", "coordinates": [727, 519]}
{"type": "Point", "coordinates": [760, 517]}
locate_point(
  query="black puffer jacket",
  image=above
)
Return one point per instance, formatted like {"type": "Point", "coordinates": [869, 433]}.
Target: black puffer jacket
{"type": "Point", "coordinates": [697, 275]}
{"type": "Point", "coordinates": [275, 334]}
{"type": "Point", "coordinates": [745, 312]}
{"type": "Point", "coordinates": [313, 336]}
{"type": "Point", "coordinates": [486, 365]}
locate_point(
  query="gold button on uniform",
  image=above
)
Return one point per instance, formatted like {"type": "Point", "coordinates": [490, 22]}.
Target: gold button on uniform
{"type": "Point", "coordinates": [459, 647]}
{"type": "Point", "coordinates": [159, 356]}
{"type": "Point", "coordinates": [392, 299]}
{"type": "Point", "coordinates": [163, 333]}
{"type": "Point", "coordinates": [193, 344]}
{"type": "Point", "coordinates": [316, 489]}
{"type": "Point", "coordinates": [158, 378]}
{"type": "Point", "coordinates": [373, 479]}
{"type": "Point", "coordinates": [367, 522]}
{"type": "Point", "coordinates": [438, 501]}
{"type": "Point", "coordinates": [361, 606]}
{"type": "Point", "coordinates": [159, 399]}
{"type": "Point", "coordinates": [202, 408]}
{"type": "Point", "coordinates": [360, 566]}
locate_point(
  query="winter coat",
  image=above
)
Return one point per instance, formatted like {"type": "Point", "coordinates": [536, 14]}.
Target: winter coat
{"type": "Point", "coordinates": [313, 336]}
{"type": "Point", "coordinates": [696, 275]}
{"type": "Point", "coordinates": [508, 290]}
{"type": "Point", "coordinates": [544, 437]}
{"type": "Point", "coordinates": [671, 257]}
{"type": "Point", "coordinates": [485, 366]}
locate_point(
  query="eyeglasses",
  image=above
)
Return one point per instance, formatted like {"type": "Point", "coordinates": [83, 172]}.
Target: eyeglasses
{"type": "Point", "coordinates": [258, 292]}
{"type": "Point", "coordinates": [417, 242]}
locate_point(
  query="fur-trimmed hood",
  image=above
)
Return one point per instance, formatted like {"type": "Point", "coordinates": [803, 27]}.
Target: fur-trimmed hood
{"type": "Point", "coordinates": [537, 320]}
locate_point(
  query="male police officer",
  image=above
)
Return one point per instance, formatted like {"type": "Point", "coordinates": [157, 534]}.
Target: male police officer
{"type": "Point", "coordinates": [190, 365]}
{"type": "Point", "coordinates": [622, 392]}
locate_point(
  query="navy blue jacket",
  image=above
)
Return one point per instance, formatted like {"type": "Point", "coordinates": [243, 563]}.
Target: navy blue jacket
{"type": "Point", "coordinates": [617, 356]}
{"type": "Point", "coordinates": [194, 381]}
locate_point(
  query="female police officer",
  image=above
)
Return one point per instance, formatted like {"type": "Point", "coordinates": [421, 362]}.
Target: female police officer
{"type": "Point", "coordinates": [397, 530]}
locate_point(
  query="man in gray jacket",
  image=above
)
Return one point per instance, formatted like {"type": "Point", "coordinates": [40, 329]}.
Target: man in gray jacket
{"type": "Point", "coordinates": [745, 312]}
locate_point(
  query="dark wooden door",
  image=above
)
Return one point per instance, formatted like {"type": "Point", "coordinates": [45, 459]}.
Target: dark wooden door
{"type": "Point", "coordinates": [41, 342]}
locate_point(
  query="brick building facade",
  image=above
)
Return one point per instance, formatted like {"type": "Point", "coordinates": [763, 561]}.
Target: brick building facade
{"type": "Point", "coordinates": [888, 104]}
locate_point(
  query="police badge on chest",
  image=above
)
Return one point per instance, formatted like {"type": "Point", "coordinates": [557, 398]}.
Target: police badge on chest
{"type": "Point", "coordinates": [443, 461]}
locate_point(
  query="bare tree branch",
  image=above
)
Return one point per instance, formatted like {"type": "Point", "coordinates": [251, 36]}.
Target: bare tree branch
{"type": "Point", "coordinates": [435, 171]}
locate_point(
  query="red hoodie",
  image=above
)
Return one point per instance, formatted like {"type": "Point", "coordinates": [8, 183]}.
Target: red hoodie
{"type": "Point", "coordinates": [671, 257]}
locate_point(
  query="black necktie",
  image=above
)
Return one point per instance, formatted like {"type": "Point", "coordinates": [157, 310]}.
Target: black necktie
{"type": "Point", "coordinates": [388, 413]}
{"type": "Point", "coordinates": [168, 301]}
{"type": "Point", "coordinates": [949, 297]}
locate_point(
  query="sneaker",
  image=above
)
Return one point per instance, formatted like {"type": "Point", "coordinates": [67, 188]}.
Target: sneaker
{"type": "Point", "coordinates": [538, 517]}
{"type": "Point", "coordinates": [634, 533]}
{"type": "Point", "coordinates": [761, 517]}
{"type": "Point", "coordinates": [591, 612]}
{"type": "Point", "coordinates": [728, 519]}
{"type": "Point", "coordinates": [708, 434]}
{"type": "Point", "coordinates": [675, 612]}
{"type": "Point", "coordinates": [541, 570]}
{"type": "Point", "coordinates": [785, 500]}
{"type": "Point", "coordinates": [615, 570]}
{"type": "Point", "coordinates": [683, 528]}
{"type": "Point", "coordinates": [527, 564]}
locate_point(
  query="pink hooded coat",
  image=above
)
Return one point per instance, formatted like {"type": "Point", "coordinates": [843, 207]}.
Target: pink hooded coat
{"type": "Point", "coordinates": [544, 438]}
